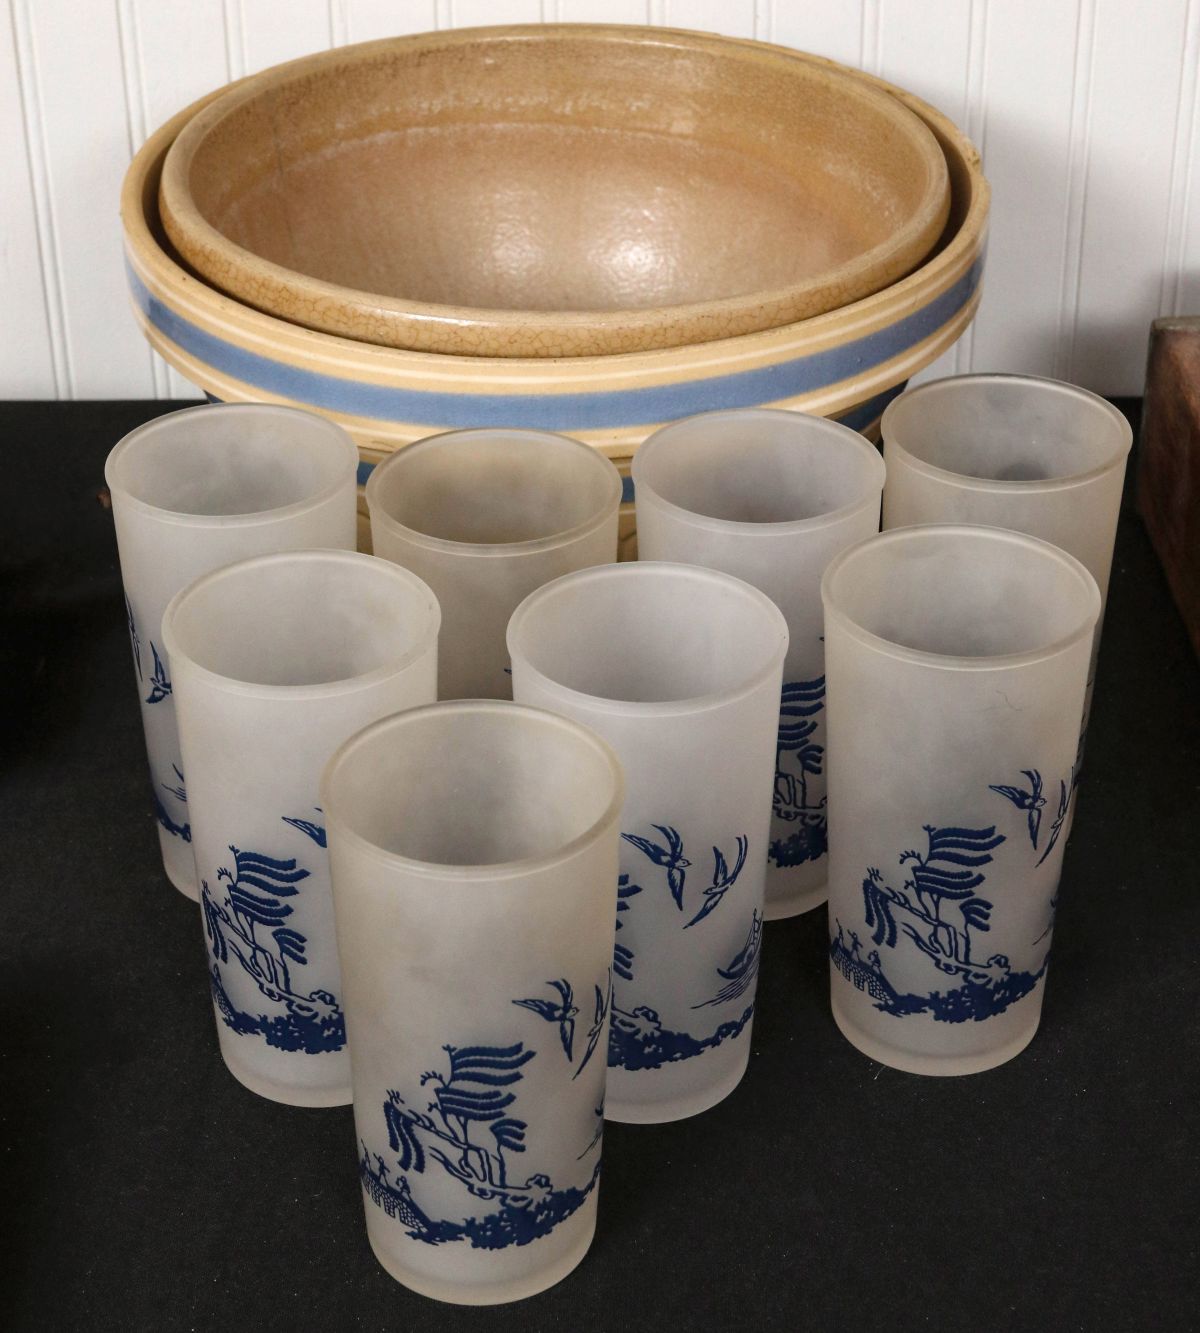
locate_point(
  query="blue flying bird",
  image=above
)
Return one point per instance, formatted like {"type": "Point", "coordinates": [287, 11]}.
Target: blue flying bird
{"type": "Point", "coordinates": [723, 879]}
{"type": "Point", "coordinates": [596, 1136]}
{"type": "Point", "coordinates": [160, 682]}
{"type": "Point", "coordinates": [561, 1011]}
{"type": "Point", "coordinates": [670, 857]}
{"type": "Point", "coordinates": [133, 638]}
{"type": "Point", "coordinates": [1031, 801]}
{"type": "Point", "coordinates": [602, 1000]}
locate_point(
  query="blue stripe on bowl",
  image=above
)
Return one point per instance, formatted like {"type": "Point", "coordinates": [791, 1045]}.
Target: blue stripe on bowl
{"type": "Point", "coordinates": [571, 411]}
{"type": "Point", "coordinates": [861, 416]}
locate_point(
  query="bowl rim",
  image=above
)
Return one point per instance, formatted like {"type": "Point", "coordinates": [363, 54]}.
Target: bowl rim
{"type": "Point", "coordinates": [417, 322]}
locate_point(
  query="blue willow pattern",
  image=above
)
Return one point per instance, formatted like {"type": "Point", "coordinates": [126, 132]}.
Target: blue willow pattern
{"type": "Point", "coordinates": [134, 640]}
{"type": "Point", "coordinates": [940, 913]}
{"type": "Point", "coordinates": [160, 681]}
{"type": "Point", "coordinates": [564, 1011]}
{"type": "Point", "coordinates": [160, 689]}
{"type": "Point", "coordinates": [179, 791]}
{"type": "Point", "coordinates": [244, 919]}
{"type": "Point", "coordinates": [306, 826]}
{"type": "Point", "coordinates": [797, 759]}
{"type": "Point", "coordinates": [622, 953]}
{"type": "Point", "coordinates": [476, 1089]}
{"type": "Point", "coordinates": [637, 1038]}
{"type": "Point", "coordinates": [1033, 802]}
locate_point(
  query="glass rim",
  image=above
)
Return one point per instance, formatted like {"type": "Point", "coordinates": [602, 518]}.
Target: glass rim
{"type": "Point", "coordinates": [183, 517]}
{"type": "Point", "coordinates": [628, 571]}
{"type": "Point", "coordinates": [530, 545]}
{"type": "Point", "coordinates": [425, 639]}
{"type": "Point", "coordinates": [771, 527]}
{"type": "Point", "coordinates": [492, 870]}
{"type": "Point", "coordinates": [964, 480]}
{"type": "Point", "coordinates": [957, 661]}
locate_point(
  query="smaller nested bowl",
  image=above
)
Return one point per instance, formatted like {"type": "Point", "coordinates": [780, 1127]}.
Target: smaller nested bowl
{"type": "Point", "coordinates": [553, 190]}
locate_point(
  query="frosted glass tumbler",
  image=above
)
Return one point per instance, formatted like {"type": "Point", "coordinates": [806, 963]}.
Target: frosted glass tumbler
{"type": "Point", "coordinates": [192, 491]}
{"type": "Point", "coordinates": [474, 853]}
{"type": "Point", "coordinates": [679, 669]}
{"type": "Point", "coordinates": [957, 661]}
{"type": "Point", "coordinates": [771, 497]}
{"type": "Point", "coordinates": [1010, 451]}
{"type": "Point", "coordinates": [277, 660]}
{"type": "Point", "coordinates": [485, 517]}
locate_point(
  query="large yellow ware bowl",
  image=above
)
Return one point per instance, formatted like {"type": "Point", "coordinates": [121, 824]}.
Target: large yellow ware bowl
{"type": "Point", "coordinates": [848, 363]}
{"type": "Point", "coordinates": [553, 190]}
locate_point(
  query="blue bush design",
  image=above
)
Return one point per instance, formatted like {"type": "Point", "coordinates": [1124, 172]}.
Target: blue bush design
{"type": "Point", "coordinates": [638, 1040]}
{"type": "Point", "coordinates": [941, 911]}
{"type": "Point", "coordinates": [477, 1090]}
{"type": "Point", "coordinates": [247, 922]}
{"type": "Point", "coordinates": [797, 758]}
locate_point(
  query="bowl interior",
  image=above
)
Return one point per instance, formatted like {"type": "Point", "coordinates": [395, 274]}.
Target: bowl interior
{"type": "Point", "coordinates": [560, 172]}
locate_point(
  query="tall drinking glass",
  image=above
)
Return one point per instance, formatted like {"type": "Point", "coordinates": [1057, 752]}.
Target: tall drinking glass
{"type": "Point", "coordinates": [192, 491]}
{"type": "Point", "coordinates": [957, 661]}
{"type": "Point", "coordinates": [679, 669]}
{"type": "Point", "coordinates": [277, 660]}
{"type": "Point", "coordinates": [1011, 451]}
{"type": "Point", "coordinates": [770, 497]}
{"type": "Point", "coordinates": [485, 517]}
{"type": "Point", "coordinates": [474, 851]}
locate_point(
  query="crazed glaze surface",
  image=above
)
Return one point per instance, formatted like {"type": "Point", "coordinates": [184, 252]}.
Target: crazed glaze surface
{"type": "Point", "coordinates": [553, 190]}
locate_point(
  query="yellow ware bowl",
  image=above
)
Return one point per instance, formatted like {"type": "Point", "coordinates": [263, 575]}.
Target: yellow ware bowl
{"type": "Point", "coordinates": [553, 190]}
{"type": "Point", "coordinates": [848, 363]}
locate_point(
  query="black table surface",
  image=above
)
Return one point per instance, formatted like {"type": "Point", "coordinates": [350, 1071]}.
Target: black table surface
{"type": "Point", "coordinates": [143, 1188]}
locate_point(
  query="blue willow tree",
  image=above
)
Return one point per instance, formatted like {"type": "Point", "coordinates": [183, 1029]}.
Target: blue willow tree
{"type": "Point", "coordinates": [255, 890]}
{"type": "Point", "coordinates": [476, 1091]}
{"type": "Point", "coordinates": [946, 876]}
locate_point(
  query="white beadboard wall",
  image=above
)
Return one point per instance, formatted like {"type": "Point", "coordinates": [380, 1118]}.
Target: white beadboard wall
{"type": "Point", "coordinates": [1087, 113]}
